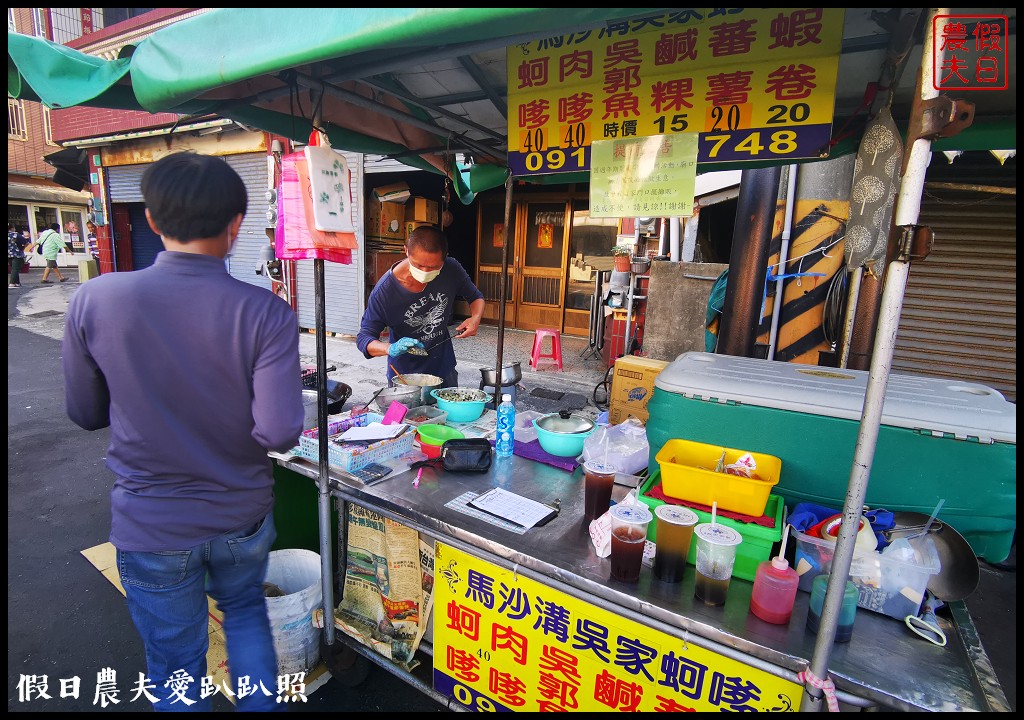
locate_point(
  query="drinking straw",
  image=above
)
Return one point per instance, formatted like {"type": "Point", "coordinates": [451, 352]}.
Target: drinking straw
{"type": "Point", "coordinates": [714, 512]}
{"type": "Point", "coordinates": [785, 537]}
{"type": "Point", "coordinates": [928, 525]}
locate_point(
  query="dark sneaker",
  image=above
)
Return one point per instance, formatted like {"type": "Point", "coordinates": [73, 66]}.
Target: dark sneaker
{"type": "Point", "coordinates": [63, 279]}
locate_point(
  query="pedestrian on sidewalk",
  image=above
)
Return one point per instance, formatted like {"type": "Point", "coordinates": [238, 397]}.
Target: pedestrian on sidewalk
{"type": "Point", "coordinates": [415, 300]}
{"type": "Point", "coordinates": [197, 375]}
{"type": "Point", "coordinates": [92, 245]}
{"type": "Point", "coordinates": [16, 243]}
{"type": "Point", "coordinates": [52, 244]}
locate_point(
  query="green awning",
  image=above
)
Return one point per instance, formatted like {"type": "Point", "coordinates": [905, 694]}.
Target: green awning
{"type": "Point", "coordinates": [255, 66]}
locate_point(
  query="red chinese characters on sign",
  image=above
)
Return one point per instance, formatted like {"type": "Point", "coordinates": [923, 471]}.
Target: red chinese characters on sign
{"type": "Point", "coordinates": [970, 52]}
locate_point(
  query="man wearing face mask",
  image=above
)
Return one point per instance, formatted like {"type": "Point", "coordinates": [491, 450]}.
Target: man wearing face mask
{"type": "Point", "coordinates": [415, 300]}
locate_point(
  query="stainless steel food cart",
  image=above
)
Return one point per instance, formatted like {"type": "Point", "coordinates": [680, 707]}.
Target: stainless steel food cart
{"type": "Point", "coordinates": [884, 666]}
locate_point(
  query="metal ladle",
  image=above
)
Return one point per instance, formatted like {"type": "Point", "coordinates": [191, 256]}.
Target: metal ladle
{"type": "Point", "coordinates": [360, 409]}
{"type": "Point", "coordinates": [936, 526]}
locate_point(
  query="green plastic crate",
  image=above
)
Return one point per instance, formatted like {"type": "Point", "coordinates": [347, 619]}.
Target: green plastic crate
{"type": "Point", "coordinates": [757, 540]}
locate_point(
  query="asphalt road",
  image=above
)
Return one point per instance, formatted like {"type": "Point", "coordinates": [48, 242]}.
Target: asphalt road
{"type": "Point", "coordinates": [66, 620]}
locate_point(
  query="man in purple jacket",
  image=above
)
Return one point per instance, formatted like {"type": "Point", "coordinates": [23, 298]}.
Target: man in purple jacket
{"type": "Point", "coordinates": [197, 375]}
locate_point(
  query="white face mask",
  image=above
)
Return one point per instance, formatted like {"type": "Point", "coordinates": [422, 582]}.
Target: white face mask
{"type": "Point", "coordinates": [423, 276]}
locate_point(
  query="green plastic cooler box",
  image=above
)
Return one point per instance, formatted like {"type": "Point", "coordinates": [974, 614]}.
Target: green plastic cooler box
{"type": "Point", "coordinates": [938, 439]}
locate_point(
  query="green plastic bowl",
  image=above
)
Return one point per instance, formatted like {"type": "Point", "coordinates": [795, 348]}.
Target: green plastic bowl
{"type": "Point", "coordinates": [433, 434]}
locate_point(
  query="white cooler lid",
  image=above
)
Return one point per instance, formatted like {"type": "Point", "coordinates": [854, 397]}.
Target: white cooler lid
{"type": "Point", "coordinates": [964, 409]}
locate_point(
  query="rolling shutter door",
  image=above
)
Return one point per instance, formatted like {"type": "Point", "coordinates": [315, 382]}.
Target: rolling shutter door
{"type": "Point", "coordinates": [343, 284]}
{"type": "Point", "coordinates": [960, 308]}
{"type": "Point", "coordinates": [252, 167]}
{"type": "Point", "coordinates": [124, 182]}
{"type": "Point", "coordinates": [383, 164]}
{"type": "Point", "coordinates": [125, 187]}
{"type": "Point", "coordinates": [146, 244]}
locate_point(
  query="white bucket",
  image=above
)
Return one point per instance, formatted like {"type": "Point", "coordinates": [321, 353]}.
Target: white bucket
{"type": "Point", "coordinates": [296, 639]}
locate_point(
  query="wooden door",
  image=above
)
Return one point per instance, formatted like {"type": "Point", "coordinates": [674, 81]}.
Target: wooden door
{"type": "Point", "coordinates": [121, 226]}
{"type": "Point", "coordinates": [488, 269]}
{"type": "Point", "coordinates": [540, 264]}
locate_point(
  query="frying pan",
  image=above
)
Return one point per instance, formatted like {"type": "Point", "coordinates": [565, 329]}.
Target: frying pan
{"type": "Point", "coordinates": [957, 578]}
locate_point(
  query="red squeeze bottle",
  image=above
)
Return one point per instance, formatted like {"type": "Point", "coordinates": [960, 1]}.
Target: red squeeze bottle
{"type": "Point", "coordinates": [775, 586]}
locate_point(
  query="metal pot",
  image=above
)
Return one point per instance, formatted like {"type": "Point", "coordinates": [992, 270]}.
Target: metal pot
{"type": "Point", "coordinates": [640, 265]}
{"type": "Point", "coordinates": [511, 373]}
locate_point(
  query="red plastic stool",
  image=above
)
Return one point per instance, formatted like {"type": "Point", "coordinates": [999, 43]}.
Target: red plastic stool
{"type": "Point", "coordinates": [537, 355]}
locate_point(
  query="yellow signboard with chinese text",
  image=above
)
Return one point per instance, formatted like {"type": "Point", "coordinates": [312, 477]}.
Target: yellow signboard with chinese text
{"type": "Point", "coordinates": [643, 177]}
{"type": "Point", "coordinates": [756, 83]}
{"type": "Point", "coordinates": [505, 642]}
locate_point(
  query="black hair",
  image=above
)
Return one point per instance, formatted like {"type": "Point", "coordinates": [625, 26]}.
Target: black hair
{"type": "Point", "coordinates": [55, 227]}
{"type": "Point", "coordinates": [192, 197]}
{"type": "Point", "coordinates": [428, 238]}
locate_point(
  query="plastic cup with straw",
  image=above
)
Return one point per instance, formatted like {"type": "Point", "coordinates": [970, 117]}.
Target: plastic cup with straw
{"type": "Point", "coordinates": [716, 555]}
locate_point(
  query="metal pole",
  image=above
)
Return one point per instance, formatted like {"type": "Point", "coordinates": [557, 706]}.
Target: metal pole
{"type": "Point", "coordinates": [323, 482]}
{"type": "Point", "coordinates": [503, 292]}
{"type": "Point", "coordinates": [787, 231]}
{"type": "Point", "coordinates": [748, 264]}
{"type": "Point", "coordinates": [908, 207]}
{"type": "Point", "coordinates": [851, 313]}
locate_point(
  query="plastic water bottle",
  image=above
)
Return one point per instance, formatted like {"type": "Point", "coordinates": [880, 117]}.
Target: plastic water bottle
{"type": "Point", "coordinates": [506, 426]}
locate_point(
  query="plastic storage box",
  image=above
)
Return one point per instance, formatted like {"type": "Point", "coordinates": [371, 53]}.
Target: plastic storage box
{"type": "Point", "coordinates": [757, 540]}
{"type": "Point", "coordinates": [424, 414]}
{"type": "Point", "coordinates": [688, 473]}
{"type": "Point", "coordinates": [938, 439]}
{"type": "Point", "coordinates": [885, 584]}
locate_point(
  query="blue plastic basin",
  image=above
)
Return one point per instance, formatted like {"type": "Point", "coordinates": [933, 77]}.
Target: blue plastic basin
{"type": "Point", "coordinates": [463, 410]}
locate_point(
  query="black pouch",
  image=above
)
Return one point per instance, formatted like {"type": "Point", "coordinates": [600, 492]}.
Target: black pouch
{"type": "Point", "coordinates": [462, 455]}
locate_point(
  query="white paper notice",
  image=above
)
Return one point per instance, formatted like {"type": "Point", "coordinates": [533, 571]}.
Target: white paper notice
{"type": "Point", "coordinates": [514, 508]}
{"type": "Point", "coordinates": [373, 431]}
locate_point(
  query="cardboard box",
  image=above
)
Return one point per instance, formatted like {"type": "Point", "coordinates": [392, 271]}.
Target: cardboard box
{"type": "Point", "coordinates": [632, 386]}
{"type": "Point", "coordinates": [411, 225]}
{"type": "Point", "coordinates": [386, 220]}
{"type": "Point", "coordinates": [421, 210]}
{"type": "Point", "coordinates": [397, 193]}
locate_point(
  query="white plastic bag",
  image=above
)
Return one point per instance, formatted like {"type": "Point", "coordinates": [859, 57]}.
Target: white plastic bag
{"type": "Point", "coordinates": [627, 447]}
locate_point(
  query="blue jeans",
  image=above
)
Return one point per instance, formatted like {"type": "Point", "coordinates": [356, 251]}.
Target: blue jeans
{"type": "Point", "coordinates": [166, 594]}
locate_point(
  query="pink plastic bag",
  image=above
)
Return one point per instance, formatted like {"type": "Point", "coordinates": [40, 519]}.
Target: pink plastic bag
{"type": "Point", "coordinates": [293, 239]}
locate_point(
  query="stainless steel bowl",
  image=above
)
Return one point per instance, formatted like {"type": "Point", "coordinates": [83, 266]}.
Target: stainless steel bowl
{"type": "Point", "coordinates": [511, 373]}
{"type": "Point", "coordinates": [408, 395]}
{"type": "Point", "coordinates": [425, 381]}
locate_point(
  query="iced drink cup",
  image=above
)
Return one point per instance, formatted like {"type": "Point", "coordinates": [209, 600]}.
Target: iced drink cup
{"type": "Point", "coordinates": [598, 480]}
{"type": "Point", "coordinates": [716, 554]}
{"type": "Point", "coordinates": [673, 534]}
{"type": "Point", "coordinates": [629, 535]}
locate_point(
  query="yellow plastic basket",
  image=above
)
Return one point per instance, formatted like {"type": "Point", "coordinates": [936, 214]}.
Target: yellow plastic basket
{"type": "Point", "coordinates": [688, 473]}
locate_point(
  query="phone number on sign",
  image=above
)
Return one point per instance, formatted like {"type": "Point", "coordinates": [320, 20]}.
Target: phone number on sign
{"type": "Point", "coordinates": [789, 143]}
